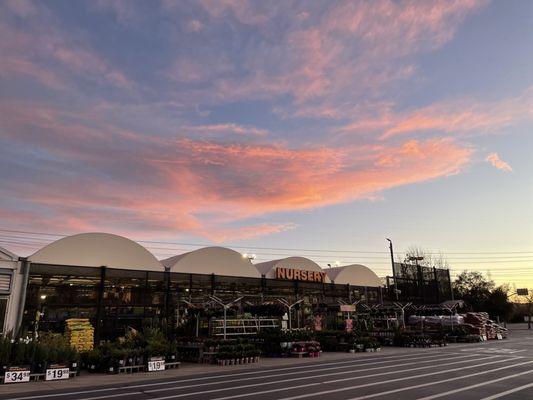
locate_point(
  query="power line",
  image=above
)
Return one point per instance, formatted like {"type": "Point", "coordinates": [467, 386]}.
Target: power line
{"type": "Point", "coordinates": [267, 248]}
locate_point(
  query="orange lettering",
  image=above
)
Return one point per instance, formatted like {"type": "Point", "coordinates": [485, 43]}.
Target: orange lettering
{"type": "Point", "coordinates": [289, 273]}
{"type": "Point", "coordinates": [296, 274]}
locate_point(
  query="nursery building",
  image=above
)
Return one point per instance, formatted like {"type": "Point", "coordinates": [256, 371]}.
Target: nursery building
{"type": "Point", "coordinates": [119, 284]}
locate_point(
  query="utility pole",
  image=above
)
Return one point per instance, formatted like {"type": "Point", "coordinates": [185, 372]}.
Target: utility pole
{"type": "Point", "coordinates": [391, 255]}
{"type": "Point", "coordinates": [392, 266]}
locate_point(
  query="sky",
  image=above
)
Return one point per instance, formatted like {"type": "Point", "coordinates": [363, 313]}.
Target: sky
{"type": "Point", "coordinates": [315, 128]}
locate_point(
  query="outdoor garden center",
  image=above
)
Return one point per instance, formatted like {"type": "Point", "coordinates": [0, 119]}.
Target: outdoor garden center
{"type": "Point", "coordinates": [105, 303]}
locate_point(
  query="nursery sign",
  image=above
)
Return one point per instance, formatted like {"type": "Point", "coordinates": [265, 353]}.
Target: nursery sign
{"type": "Point", "coordinates": [300, 275]}
{"type": "Point", "coordinates": [17, 375]}
{"type": "Point", "coordinates": [156, 364]}
{"type": "Point", "coordinates": [57, 372]}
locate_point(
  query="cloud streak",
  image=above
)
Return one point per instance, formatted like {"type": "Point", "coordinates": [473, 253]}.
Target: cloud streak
{"type": "Point", "coordinates": [495, 160]}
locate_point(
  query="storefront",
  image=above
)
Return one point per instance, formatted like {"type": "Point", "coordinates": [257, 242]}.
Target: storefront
{"type": "Point", "coordinates": [10, 286]}
{"type": "Point", "coordinates": [117, 284]}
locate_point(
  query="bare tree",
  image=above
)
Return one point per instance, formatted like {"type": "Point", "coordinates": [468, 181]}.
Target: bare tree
{"type": "Point", "coordinates": [430, 259]}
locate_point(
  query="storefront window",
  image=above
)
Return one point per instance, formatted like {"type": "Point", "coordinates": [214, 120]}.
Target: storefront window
{"type": "Point", "coordinates": [56, 293]}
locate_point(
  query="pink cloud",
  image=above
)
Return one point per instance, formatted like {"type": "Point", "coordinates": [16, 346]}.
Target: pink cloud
{"type": "Point", "coordinates": [224, 129]}
{"type": "Point", "coordinates": [342, 56]}
{"type": "Point", "coordinates": [465, 116]}
{"type": "Point", "coordinates": [19, 67]}
{"type": "Point", "coordinates": [461, 117]}
{"type": "Point", "coordinates": [42, 50]}
{"type": "Point", "coordinates": [495, 160]}
{"type": "Point", "coordinates": [199, 186]}
{"type": "Point", "coordinates": [194, 25]}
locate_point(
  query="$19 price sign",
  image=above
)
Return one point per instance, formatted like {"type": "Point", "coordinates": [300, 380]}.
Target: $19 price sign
{"type": "Point", "coordinates": [57, 374]}
{"type": "Point", "coordinates": [156, 366]}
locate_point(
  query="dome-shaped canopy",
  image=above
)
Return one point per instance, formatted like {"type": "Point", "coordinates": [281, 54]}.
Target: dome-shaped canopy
{"type": "Point", "coordinates": [212, 260]}
{"type": "Point", "coordinates": [356, 275]}
{"type": "Point", "coordinates": [268, 268]}
{"type": "Point", "coordinates": [96, 250]}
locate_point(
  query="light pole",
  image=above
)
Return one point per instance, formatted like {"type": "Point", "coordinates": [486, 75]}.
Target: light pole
{"type": "Point", "coordinates": [289, 308]}
{"type": "Point", "coordinates": [250, 257]}
{"type": "Point", "coordinates": [225, 307]}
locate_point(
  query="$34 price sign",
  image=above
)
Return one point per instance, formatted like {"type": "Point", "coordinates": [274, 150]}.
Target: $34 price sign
{"type": "Point", "coordinates": [17, 376]}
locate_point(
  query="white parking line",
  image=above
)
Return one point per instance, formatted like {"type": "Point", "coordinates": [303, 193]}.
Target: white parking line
{"type": "Point", "coordinates": [510, 391]}
{"type": "Point", "coordinates": [502, 350]}
{"type": "Point", "coordinates": [403, 379]}
{"type": "Point", "coordinates": [315, 370]}
{"type": "Point", "coordinates": [437, 382]}
{"type": "Point", "coordinates": [503, 378]}
{"type": "Point", "coordinates": [353, 378]}
{"type": "Point", "coordinates": [272, 382]}
{"type": "Point", "coordinates": [364, 361]}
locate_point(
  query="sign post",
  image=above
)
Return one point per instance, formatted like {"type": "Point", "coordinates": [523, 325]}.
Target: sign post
{"type": "Point", "coordinates": [525, 293]}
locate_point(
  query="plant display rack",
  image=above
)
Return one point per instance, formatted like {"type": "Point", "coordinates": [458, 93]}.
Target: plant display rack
{"type": "Point", "coordinates": [242, 326]}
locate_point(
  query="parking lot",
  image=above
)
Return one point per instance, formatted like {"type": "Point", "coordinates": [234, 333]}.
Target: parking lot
{"type": "Point", "coordinates": [489, 370]}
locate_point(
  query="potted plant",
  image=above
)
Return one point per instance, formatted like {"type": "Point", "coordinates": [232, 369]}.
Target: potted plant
{"type": "Point", "coordinates": [93, 360]}
{"type": "Point", "coordinates": [171, 351]}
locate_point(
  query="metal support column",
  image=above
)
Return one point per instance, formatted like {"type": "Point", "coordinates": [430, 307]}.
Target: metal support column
{"type": "Point", "coordinates": [99, 306]}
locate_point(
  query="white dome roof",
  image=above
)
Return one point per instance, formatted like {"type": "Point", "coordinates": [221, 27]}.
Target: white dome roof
{"type": "Point", "coordinates": [96, 250]}
{"type": "Point", "coordinates": [212, 260]}
{"type": "Point", "coordinates": [355, 274]}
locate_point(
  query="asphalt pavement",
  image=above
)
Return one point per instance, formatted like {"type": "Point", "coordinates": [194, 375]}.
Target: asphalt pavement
{"type": "Point", "coordinates": [485, 371]}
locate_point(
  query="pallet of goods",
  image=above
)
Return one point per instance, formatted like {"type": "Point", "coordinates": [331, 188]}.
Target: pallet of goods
{"type": "Point", "coordinates": [480, 324]}
{"type": "Point", "coordinates": [80, 333]}
{"type": "Point", "coordinates": [476, 323]}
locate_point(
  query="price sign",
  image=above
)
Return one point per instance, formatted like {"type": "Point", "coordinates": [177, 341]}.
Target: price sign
{"type": "Point", "coordinates": [17, 376]}
{"type": "Point", "coordinates": [56, 374]}
{"type": "Point", "coordinates": [156, 365]}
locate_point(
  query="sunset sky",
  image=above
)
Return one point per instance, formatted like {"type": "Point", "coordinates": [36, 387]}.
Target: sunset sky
{"type": "Point", "coordinates": [305, 125]}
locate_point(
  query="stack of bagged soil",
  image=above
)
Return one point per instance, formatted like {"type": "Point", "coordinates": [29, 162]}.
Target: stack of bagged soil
{"type": "Point", "coordinates": [80, 333]}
